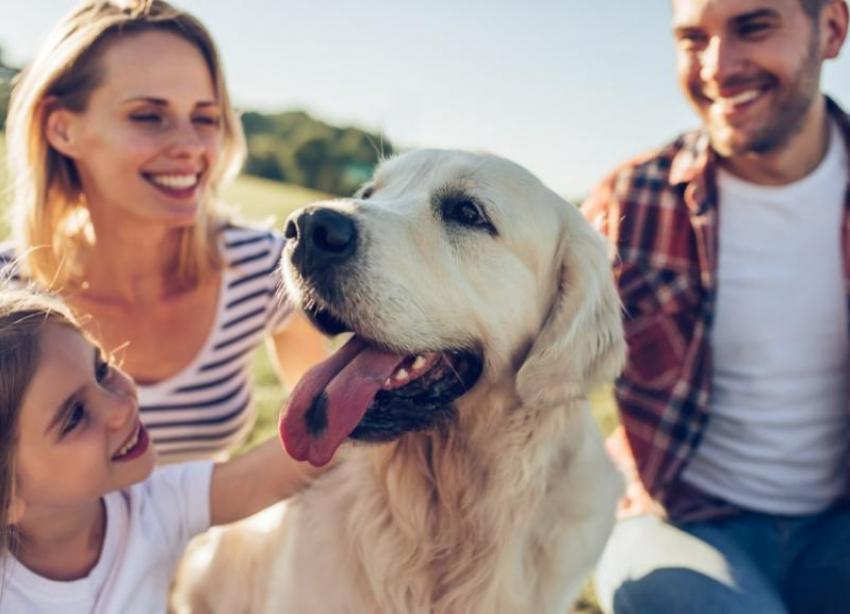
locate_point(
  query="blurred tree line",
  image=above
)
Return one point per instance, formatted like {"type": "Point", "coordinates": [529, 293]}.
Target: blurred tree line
{"type": "Point", "coordinates": [296, 148]}
{"type": "Point", "coordinates": [291, 147]}
{"type": "Point", "coordinates": [6, 74]}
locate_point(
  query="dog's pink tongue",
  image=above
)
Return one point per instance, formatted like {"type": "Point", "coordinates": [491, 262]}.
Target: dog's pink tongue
{"type": "Point", "coordinates": [329, 401]}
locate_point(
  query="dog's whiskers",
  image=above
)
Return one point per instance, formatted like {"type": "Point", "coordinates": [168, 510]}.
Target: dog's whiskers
{"type": "Point", "coordinates": [453, 370]}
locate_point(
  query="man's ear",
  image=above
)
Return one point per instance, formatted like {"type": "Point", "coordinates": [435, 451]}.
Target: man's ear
{"type": "Point", "coordinates": [833, 27]}
{"type": "Point", "coordinates": [60, 130]}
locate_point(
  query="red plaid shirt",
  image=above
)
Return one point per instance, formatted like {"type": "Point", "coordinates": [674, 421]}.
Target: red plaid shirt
{"type": "Point", "coordinates": [660, 212]}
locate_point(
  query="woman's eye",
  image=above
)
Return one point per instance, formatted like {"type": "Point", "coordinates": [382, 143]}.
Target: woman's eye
{"type": "Point", "coordinates": [75, 418]}
{"type": "Point", "coordinates": [147, 118]}
{"type": "Point", "coordinates": [207, 121]}
{"type": "Point", "coordinates": [102, 370]}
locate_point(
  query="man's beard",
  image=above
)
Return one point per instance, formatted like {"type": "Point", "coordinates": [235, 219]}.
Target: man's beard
{"type": "Point", "coordinates": [786, 117]}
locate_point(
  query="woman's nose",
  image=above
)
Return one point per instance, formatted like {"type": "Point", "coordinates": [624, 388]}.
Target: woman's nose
{"type": "Point", "coordinates": [187, 142]}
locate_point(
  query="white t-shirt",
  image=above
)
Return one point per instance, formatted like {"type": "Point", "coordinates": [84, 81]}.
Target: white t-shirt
{"type": "Point", "coordinates": [147, 528]}
{"type": "Point", "coordinates": [777, 436]}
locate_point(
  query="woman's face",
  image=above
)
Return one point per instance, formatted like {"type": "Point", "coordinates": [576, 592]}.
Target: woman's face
{"type": "Point", "coordinates": [150, 136]}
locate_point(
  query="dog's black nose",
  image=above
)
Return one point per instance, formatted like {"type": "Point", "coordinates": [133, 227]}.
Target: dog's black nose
{"type": "Point", "coordinates": [321, 237]}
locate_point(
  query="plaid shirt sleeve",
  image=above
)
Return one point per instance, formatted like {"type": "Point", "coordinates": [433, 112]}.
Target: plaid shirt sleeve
{"type": "Point", "coordinates": [662, 394]}
{"type": "Point", "coordinates": [660, 216]}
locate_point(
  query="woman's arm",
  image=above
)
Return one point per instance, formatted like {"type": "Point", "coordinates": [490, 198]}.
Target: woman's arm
{"type": "Point", "coordinates": [267, 474]}
{"type": "Point", "coordinates": [255, 480]}
{"type": "Point", "coordinates": [296, 348]}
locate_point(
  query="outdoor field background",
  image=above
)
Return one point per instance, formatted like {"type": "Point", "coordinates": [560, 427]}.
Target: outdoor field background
{"type": "Point", "coordinates": [259, 200]}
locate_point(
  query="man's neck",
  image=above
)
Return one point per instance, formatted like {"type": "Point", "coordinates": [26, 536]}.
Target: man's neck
{"type": "Point", "coordinates": [794, 160]}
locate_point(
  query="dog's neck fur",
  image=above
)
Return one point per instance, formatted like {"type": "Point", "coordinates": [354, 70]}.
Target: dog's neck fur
{"type": "Point", "coordinates": [482, 542]}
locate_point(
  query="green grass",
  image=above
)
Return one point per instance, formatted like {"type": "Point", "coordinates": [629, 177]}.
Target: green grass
{"type": "Point", "coordinates": [257, 199]}
{"type": "Point", "coordinates": [260, 200]}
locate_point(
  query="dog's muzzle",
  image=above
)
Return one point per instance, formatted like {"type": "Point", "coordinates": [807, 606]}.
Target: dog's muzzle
{"type": "Point", "coordinates": [320, 239]}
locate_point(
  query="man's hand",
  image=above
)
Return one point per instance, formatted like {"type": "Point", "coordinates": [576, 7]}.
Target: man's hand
{"type": "Point", "coordinates": [636, 501]}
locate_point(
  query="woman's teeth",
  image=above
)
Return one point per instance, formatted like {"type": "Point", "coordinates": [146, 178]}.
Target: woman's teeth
{"type": "Point", "coordinates": [130, 444]}
{"type": "Point", "coordinates": [175, 182]}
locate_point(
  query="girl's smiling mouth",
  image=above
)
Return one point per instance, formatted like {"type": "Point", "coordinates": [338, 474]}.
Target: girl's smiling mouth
{"type": "Point", "coordinates": [134, 446]}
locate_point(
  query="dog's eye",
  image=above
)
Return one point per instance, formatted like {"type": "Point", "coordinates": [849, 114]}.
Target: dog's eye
{"type": "Point", "coordinates": [465, 211]}
{"type": "Point", "coordinates": [365, 193]}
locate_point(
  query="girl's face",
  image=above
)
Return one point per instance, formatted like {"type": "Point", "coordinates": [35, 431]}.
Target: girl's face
{"type": "Point", "coordinates": [150, 136]}
{"type": "Point", "coordinates": [80, 435]}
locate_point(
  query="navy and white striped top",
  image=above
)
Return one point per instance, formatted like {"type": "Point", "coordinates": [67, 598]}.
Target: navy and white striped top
{"type": "Point", "coordinates": [205, 409]}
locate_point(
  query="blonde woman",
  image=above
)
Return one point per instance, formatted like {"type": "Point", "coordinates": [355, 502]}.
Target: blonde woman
{"type": "Point", "coordinates": [120, 136]}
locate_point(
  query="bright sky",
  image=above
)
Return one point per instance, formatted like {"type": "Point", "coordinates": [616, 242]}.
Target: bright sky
{"type": "Point", "coordinates": [568, 88]}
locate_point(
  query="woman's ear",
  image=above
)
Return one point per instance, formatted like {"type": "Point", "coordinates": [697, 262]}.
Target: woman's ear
{"type": "Point", "coordinates": [60, 130]}
{"type": "Point", "coordinates": [16, 510]}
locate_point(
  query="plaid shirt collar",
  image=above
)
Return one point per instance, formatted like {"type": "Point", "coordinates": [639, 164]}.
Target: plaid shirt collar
{"type": "Point", "coordinates": [695, 166]}
{"type": "Point", "coordinates": [694, 169]}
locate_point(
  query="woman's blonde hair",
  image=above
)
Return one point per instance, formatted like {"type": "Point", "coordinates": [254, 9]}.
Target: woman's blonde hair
{"type": "Point", "coordinates": [23, 314]}
{"type": "Point", "coordinates": [49, 217]}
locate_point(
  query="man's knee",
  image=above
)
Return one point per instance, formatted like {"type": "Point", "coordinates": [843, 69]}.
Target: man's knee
{"type": "Point", "coordinates": [652, 567]}
{"type": "Point", "coordinates": [686, 591]}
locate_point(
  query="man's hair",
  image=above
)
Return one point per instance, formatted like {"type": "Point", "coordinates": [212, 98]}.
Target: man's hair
{"type": "Point", "coordinates": [813, 7]}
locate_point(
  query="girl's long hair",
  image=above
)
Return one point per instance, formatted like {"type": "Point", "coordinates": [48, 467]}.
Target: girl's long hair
{"type": "Point", "coordinates": [23, 315]}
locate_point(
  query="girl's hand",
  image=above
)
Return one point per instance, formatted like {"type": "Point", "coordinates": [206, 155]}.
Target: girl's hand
{"type": "Point", "coordinates": [256, 480]}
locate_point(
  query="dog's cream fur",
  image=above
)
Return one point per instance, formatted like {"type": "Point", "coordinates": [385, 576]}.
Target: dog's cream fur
{"type": "Point", "coordinates": [504, 511]}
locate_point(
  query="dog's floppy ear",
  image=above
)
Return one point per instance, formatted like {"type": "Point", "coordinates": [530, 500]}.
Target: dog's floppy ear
{"type": "Point", "coordinates": [581, 343]}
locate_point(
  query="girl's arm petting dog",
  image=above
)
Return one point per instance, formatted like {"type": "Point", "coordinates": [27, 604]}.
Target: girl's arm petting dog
{"type": "Point", "coordinates": [255, 480]}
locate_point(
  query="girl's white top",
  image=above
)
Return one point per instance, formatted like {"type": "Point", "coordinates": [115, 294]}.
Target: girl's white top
{"type": "Point", "coordinates": [147, 528]}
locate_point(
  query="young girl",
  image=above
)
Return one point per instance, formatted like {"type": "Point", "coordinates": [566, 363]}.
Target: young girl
{"type": "Point", "coordinates": [86, 524]}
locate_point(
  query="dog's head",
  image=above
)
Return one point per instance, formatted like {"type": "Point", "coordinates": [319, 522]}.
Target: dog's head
{"type": "Point", "coordinates": [454, 270]}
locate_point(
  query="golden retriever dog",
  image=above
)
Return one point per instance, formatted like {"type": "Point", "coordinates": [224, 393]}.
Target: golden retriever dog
{"type": "Point", "coordinates": [468, 475]}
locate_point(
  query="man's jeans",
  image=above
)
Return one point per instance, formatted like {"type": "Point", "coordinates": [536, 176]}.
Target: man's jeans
{"type": "Point", "coordinates": [751, 564]}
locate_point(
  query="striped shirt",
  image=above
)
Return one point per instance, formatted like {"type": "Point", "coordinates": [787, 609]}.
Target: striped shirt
{"type": "Point", "coordinates": [660, 212]}
{"type": "Point", "coordinates": [205, 409]}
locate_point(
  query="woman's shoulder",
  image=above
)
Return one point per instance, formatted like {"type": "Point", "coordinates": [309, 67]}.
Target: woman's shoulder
{"type": "Point", "coordinates": [8, 253]}
{"type": "Point", "coordinates": [252, 257]}
{"type": "Point", "coordinates": [239, 240]}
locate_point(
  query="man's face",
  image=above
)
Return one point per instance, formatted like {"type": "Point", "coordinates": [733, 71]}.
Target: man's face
{"type": "Point", "coordinates": [750, 68]}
